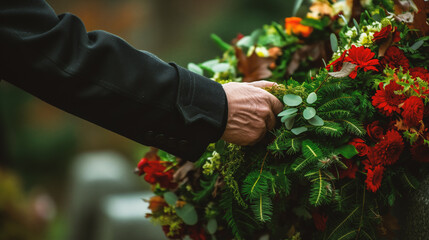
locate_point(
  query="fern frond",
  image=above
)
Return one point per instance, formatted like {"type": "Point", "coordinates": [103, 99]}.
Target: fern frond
{"type": "Point", "coordinates": [343, 223]}
{"type": "Point", "coordinates": [282, 181]}
{"type": "Point", "coordinates": [353, 127]}
{"type": "Point", "coordinates": [262, 208]}
{"type": "Point", "coordinates": [342, 102]}
{"type": "Point", "coordinates": [241, 223]}
{"type": "Point", "coordinates": [319, 192]}
{"type": "Point", "coordinates": [330, 129]}
{"type": "Point", "coordinates": [207, 188]}
{"type": "Point", "coordinates": [334, 114]}
{"type": "Point", "coordinates": [310, 149]}
{"type": "Point", "coordinates": [256, 183]}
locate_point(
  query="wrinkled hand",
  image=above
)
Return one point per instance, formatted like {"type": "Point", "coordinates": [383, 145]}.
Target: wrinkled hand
{"type": "Point", "coordinates": [251, 112]}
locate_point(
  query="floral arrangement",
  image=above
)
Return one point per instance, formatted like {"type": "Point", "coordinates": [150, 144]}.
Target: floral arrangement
{"type": "Point", "coordinates": [352, 138]}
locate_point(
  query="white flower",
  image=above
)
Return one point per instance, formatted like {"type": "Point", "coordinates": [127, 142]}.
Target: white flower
{"type": "Point", "coordinates": [365, 39]}
{"type": "Point", "coordinates": [342, 6]}
{"type": "Point", "coordinates": [260, 51]}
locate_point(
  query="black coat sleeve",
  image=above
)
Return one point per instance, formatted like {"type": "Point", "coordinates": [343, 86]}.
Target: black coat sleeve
{"type": "Point", "coordinates": [99, 77]}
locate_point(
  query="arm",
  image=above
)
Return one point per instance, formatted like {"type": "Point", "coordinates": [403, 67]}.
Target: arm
{"type": "Point", "coordinates": [99, 77]}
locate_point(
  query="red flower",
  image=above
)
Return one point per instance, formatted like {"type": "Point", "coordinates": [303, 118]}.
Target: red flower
{"type": "Point", "coordinates": [395, 58]}
{"type": "Point", "coordinates": [389, 148]}
{"type": "Point", "coordinates": [420, 151]}
{"type": "Point", "coordinates": [360, 146]}
{"type": "Point", "coordinates": [351, 170]}
{"type": "Point", "coordinates": [374, 177]}
{"type": "Point", "coordinates": [155, 173]}
{"type": "Point", "coordinates": [396, 35]}
{"type": "Point", "coordinates": [420, 72]}
{"type": "Point", "coordinates": [383, 34]}
{"type": "Point", "coordinates": [373, 159]}
{"type": "Point", "coordinates": [196, 232]}
{"type": "Point", "coordinates": [319, 220]}
{"type": "Point", "coordinates": [375, 132]}
{"type": "Point", "coordinates": [363, 58]}
{"type": "Point", "coordinates": [386, 100]}
{"type": "Point", "coordinates": [337, 64]}
{"type": "Point", "coordinates": [413, 111]}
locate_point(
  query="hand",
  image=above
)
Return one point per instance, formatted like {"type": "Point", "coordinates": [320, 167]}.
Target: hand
{"type": "Point", "coordinates": [251, 112]}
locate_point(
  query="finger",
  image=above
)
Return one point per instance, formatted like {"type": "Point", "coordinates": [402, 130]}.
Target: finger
{"type": "Point", "coordinates": [270, 121]}
{"type": "Point", "coordinates": [263, 84]}
{"type": "Point", "coordinates": [276, 105]}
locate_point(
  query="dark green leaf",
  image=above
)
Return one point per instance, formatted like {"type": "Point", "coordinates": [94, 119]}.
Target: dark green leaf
{"type": "Point", "coordinates": [348, 151]}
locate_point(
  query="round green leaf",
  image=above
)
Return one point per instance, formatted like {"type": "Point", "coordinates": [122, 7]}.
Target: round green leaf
{"type": "Point", "coordinates": [298, 130]}
{"type": "Point", "coordinates": [289, 122]}
{"type": "Point", "coordinates": [287, 112]}
{"type": "Point", "coordinates": [292, 100]}
{"type": "Point", "coordinates": [195, 68]}
{"type": "Point", "coordinates": [220, 67]}
{"type": "Point", "coordinates": [188, 214]}
{"type": "Point", "coordinates": [284, 118]}
{"type": "Point", "coordinates": [212, 226]}
{"type": "Point", "coordinates": [312, 97]}
{"type": "Point", "coordinates": [316, 121]}
{"type": "Point", "coordinates": [170, 198]}
{"type": "Point", "coordinates": [309, 113]}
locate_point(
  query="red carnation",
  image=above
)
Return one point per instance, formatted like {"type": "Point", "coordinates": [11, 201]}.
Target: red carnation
{"type": "Point", "coordinates": [337, 64]}
{"type": "Point", "coordinates": [375, 132]}
{"type": "Point", "coordinates": [360, 146]}
{"type": "Point", "coordinates": [374, 177]}
{"type": "Point", "coordinates": [420, 151]}
{"type": "Point", "coordinates": [396, 35]}
{"type": "Point", "coordinates": [413, 111]}
{"type": "Point", "coordinates": [363, 58]}
{"type": "Point", "coordinates": [351, 170]}
{"type": "Point", "coordinates": [389, 148]}
{"type": "Point", "coordinates": [420, 72]}
{"type": "Point", "coordinates": [196, 232]}
{"type": "Point", "coordinates": [155, 173]}
{"type": "Point", "coordinates": [383, 34]}
{"type": "Point", "coordinates": [386, 100]}
{"type": "Point", "coordinates": [395, 58]}
{"type": "Point", "coordinates": [319, 220]}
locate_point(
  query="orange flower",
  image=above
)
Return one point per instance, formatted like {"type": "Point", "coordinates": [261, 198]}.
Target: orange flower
{"type": "Point", "coordinates": [293, 25]}
{"type": "Point", "coordinates": [157, 203]}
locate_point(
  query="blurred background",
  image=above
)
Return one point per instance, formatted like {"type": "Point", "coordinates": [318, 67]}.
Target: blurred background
{"type": "Point", "coordinates": [64, 178]}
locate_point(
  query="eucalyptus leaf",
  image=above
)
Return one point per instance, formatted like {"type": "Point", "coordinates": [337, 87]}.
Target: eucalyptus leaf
{"type": "Point", "coordinates": [309, 113]}
{"type": "Point", "coordinates": [284, 118]}
{"type": "Point", "coordinates": [299, 130]}
{"type": "Point", "coordinates": [344, 18]}
{"type": "Point", "coordinates": [195, 68]}
{"type": "Point", "coordinates": [356, 26]}
{"type": "Point", "coordinates": [210, 63]}
{"type": "Point", "coordinates": [171, 198]}
{"type": "Point", "coordinates": [292, 100]}
{"type": "Point", "coordinates": [188, 214]}
{"type": "Point", "coordinates": [289, 123]}
{"type": "Point", "coordinates": [246, 41]}
{"type": "Point", "coordinates": [298, 4]}
{"type": "Point", "coordinates": [212, 226]}
{"type": "Point", "coordinates": [312, 97]}
{"type": "Point", "coordinates": [288, 111]}
{"type": "Point", "coordinates": [316, 121]}
{"type": "Point", "coordinates": [417, 45]}
{"type": "Point", "coordinates": [220, 67]}
{"type": "Point", "coordinates": [334, 42]}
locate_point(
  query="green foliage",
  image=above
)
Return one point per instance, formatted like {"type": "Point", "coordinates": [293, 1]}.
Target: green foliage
{"type": "Point", "coordinates": [207, 188]}
{"type": "Point", "coordinates": [262, 208]}
{"type": "Point", "coordinates": [321, 191]}
{"type": "Point", "coordinates": [331, 129]}
{"type": "Point", "coordinates": [256, 183]}
{"type": "Point", "coordinates": [241, 222]}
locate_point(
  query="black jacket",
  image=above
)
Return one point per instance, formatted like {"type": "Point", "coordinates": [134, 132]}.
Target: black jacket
{"type": "Point", "coordinates": [99, 77]}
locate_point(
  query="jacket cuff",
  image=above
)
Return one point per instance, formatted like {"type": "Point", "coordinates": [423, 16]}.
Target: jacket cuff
{"type": "Point", "coordinates": [202, 103]}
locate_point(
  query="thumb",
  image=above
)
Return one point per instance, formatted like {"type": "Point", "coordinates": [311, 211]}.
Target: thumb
{"type": "Point", "coordinates": [262, 84]}
{"type": "Point", "coordinates": [276, 105]}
